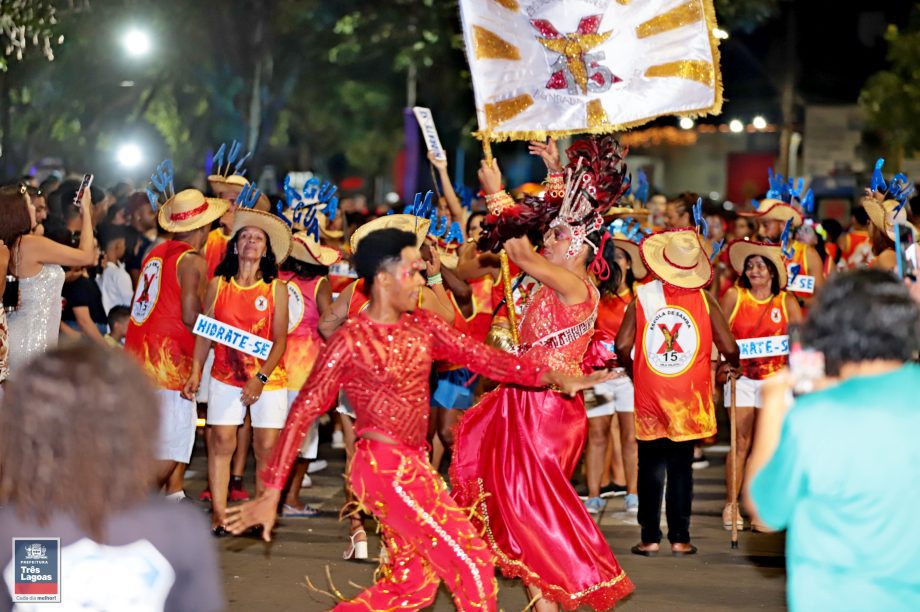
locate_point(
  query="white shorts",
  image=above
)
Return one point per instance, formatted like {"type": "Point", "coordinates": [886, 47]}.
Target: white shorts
{"type": "Point", "coordinates": [205, 378]}
{"type": "Point", "coordinates": [226, 408]}
{"type": "Point", "coordinates": [178, 417]}
{"type": "Point", "coordinates": [345, 408]}
{"type": "Point", "coordinates": [749, 393]}
{"type": "Point", "coordinates": [310, 448]}
{"type": "Point", "coordinates": [618, 395]}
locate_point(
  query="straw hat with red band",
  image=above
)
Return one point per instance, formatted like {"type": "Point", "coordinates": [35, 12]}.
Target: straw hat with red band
{"type": "Point", "coordinates": [776, 210]}
{"type": "Point", "coordinates": [881, 215]}
{"type": "Point", "coordinates": [677, 257]}
{"type": "Point", "coordinates": [632, 249]}
{"type": "Point", "coordinates": [279, 234]}
{"type": "Point", "coordinates": [189, 210]}
{"type": "Point", "coordinates": [230, 186]}
{"type": "Point", "coordinates": [407, 223]}
{"type": "Point", "coordinates": [304, 248]}
{"type": "Point", "coordinates": [740, 250]}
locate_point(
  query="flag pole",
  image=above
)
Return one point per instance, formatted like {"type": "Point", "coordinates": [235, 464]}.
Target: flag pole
{"type": "Point", "coordinates": [734, 456]}
{"type": "Point", "coordinates": [503, 258]}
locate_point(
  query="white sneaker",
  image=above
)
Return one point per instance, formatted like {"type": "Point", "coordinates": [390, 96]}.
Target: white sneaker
{"type": "Point", "coordinates": [338, 439]}
{"type": "Point", "coordinates": [317, 466]}
{"type": "Point", "coordinates": [307, 482]}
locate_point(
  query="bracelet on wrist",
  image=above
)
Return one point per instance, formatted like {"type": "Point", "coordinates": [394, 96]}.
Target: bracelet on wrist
{"type": "Point", "coordinates": [435, 279]}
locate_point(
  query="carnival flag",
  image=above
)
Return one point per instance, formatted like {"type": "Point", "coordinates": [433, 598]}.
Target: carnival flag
{"type": "Point", "coordinates": [556, 67]}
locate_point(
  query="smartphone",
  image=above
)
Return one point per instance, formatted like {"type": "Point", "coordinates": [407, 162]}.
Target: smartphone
{"type": "Point", "coordinates": [805, 364]}
{"type": "Point", "coordinates": [85, 184]}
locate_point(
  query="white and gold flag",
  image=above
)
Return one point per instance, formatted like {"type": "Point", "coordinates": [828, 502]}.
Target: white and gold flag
{"type": "Point", "coordinates": [555, 67]}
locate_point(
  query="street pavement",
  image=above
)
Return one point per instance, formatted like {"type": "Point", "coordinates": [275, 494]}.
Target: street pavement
{"type": "Point", "coordinates": [260, 576]}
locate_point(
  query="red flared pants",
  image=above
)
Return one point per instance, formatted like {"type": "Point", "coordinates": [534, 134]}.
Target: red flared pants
{"type": "Point", "coordinates": [428, 537]}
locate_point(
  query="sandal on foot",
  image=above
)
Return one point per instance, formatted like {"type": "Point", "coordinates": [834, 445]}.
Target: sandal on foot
{"type": "Point", "coordinates": [357, 550]}
{"type": "Point", "coordinates": [683, 553]}
{"type": "Point", "coordinates": [219, 532]}
{"type": "Point", "coordinates": [644, 552]}
{"type": "Point", "coordinates": [307, 511]}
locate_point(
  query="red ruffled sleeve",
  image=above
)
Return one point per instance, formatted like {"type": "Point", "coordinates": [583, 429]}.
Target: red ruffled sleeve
{"type": "Point", "coordinates": [315, 397]}
{"type": "Point", "coordinates": [447, 344]}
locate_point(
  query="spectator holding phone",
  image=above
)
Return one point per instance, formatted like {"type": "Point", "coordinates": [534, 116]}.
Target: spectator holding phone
{"type": "Point", "coordinates": [852, 541]}
{"type": "Point", "coordinates": [35, 261]}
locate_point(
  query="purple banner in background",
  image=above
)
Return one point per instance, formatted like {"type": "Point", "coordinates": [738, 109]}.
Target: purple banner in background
{"type": "Point", "coordinates": [410, 175]}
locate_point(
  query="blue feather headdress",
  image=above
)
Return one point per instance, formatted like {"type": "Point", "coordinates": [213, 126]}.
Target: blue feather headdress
{"type": "Point", "coordinates": [423, 208]}
{"type": "Point", "coordinates": [161, 187]}
{"type": "Point", "coordinates": [899, 188]}
{"type": "Point", "coordinates": [789, 191]}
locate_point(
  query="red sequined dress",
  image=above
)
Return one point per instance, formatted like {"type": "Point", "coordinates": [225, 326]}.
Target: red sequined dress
{"type": "Point", "coordinates": [513, 456]}
{"type": "Point", "coordinates": [384, 370]}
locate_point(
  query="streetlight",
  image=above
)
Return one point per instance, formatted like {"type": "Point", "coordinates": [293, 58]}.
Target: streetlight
{"type": "Point", "coordinates": [759, 122]}
{"type": "Point", "coordinates": [136, 42]}
{"type": "Point", "coordinates": [686, 123]}
{"type": "Point", "coordinates": [736, 126]}
{"type": "Point", "coordinates": [129, 155]}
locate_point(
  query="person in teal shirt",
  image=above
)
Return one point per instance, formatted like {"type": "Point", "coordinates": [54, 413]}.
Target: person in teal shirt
{"type": "Point", "coordinates": [840, 469]}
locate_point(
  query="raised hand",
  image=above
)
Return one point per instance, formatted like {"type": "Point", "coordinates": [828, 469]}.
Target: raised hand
{"type": "Point", "coordinates": [548, 152]}
{"type": "Point", "coordinates": [490, 177]}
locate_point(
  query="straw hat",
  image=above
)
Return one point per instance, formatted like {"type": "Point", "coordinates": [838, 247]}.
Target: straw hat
{"type": "Point", "coordinates": [881, 215]}
{"type": "Point", "coordinates": [740, 250]}
{"type": "Point", "coordinates": [407, 223]}
{"type": "Point", "coordinates": [677, 258]}
{"type": "Point", "coordinates": [304, 248]}
{"type": "Point", "coordinates": [632, 249]}
{"type": "Point", "coordinates": [189, 210]}
{"type": "Point", "coordinates": [230, 187]}
{"type": "Point", "coordinates": [324, 227]}
{"type": "Point", "coordinates": [776, 210]}
{"type": "Point", "coordinates": [279, 235]}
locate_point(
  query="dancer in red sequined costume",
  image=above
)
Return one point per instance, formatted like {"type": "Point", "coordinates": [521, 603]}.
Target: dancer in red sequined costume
{"type": "Point", "coordinates": [517, 449]}
{"type": "Point", "coordinates": [382, 360]}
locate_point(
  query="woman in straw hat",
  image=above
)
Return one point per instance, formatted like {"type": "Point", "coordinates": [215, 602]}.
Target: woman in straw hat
{"type": "Point", "coordinates": [305, 272]}
{"type": "Point", "coordinates": [615, 396]}
{"type": "Point", "coordinates": [883, 223]}
{"type": "Point", "coordinates": [166, 304]}
{"type": "Point", "coordinates": [758, 307]}
{"type": "Point", "coordinates": [245, 294]}
{"type": "Point", "coordinates": [672, 324]}
{"type": "Point", "coordinates": [515, 451]}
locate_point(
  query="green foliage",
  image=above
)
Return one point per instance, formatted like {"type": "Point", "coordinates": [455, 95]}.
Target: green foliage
{"type": "Point", "coordinates": [891, 98]}
{"type": "Point", "coordinates": [744, 14]}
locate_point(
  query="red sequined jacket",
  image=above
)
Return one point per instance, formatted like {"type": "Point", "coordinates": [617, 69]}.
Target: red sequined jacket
{"type": "Point", "coordinates": [384, 370]}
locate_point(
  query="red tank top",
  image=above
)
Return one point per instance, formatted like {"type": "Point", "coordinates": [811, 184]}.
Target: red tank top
{"type": "Point", "coordinates": [753, 318]}
{"type": "Point", "coordinates": [478, 324]}
{"type": "Point", "coordinates": [303, 342]}
{"type": "Point", "coordinates": [215, 249]}
{"type": "Point", "coordinates": [671, 370]}
{"type": "Point", "coordinates": [857, 250]}
{"type": "Point", "coordinates": [610, 312]}
{"type": "Point", "coordinates": [156, 336]}
{"type": "Point", "coordinates": [359, 299]}
{"type": "Point", "coordinates": [251, 309]}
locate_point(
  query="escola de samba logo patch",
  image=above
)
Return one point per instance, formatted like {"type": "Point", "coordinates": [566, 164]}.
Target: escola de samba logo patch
{"type": "Point", "coordinates": [672, 341]}
{"type": "Point", "coordinates": [148, 290]}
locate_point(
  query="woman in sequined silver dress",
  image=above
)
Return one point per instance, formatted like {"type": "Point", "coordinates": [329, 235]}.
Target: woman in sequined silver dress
{"type": "Point", "coordinates": [36, 261]}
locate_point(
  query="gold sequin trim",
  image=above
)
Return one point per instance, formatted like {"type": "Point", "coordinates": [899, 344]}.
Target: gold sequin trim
{"type": "Point", "coordinates": [677, 17]}
{"type": "Point", "coordinates": [490, 45]}
{"type": "Point", "coordinates": [511, 5]}
{"type": "Point", "coordinates": [499, 112]}
{"type": "Point", "coordinates": [597, 116]}
{"type": "Point", "coordinates": [695, 70]}
{"type": "Point", "coordinates": [484, 516]}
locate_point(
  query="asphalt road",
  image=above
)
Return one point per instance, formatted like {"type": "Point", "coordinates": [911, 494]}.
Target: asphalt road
{"type": "Point", "coordinates": [259, 576]}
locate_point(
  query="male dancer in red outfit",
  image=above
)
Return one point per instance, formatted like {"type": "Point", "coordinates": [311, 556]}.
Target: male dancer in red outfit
{"type": "Point", "coordinates": [383, 359]}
